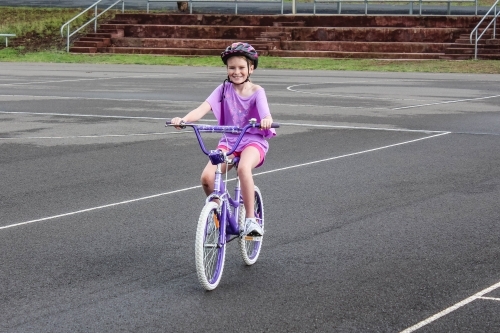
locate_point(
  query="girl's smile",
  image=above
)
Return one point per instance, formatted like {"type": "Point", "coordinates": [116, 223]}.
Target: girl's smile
{"type": "Point", "coordinates": [238, 69]}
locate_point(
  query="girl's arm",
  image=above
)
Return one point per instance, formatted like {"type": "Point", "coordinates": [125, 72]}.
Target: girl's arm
{"type": "Point", "coordinates": [194, 115]}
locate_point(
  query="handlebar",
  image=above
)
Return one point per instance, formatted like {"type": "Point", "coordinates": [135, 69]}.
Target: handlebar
{"type": "Point", "coordinates": [198, 128]}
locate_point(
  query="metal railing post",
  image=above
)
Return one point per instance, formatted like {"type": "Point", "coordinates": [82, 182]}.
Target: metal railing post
{"type": "Point", "coordinates": [475, 48]}
{"type": "Point", "coordinates": [67, 40]}
{"type": "Point", "coordinates": [95, 18]}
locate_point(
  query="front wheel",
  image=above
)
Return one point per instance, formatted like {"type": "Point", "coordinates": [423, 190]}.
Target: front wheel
{"type": "Point", "coordinates": [209, 252]}
{"type": "Point", "coordinates": [250, 246]}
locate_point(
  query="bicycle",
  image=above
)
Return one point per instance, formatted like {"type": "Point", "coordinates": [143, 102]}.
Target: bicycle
{"type": "Point", "coordinates": [222, 217]}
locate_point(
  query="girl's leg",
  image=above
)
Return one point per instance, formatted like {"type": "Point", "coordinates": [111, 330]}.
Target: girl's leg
{"type": "Point", "coordinates": [249, 159]}
{"type": "Point", "coordinates": [208, 177]}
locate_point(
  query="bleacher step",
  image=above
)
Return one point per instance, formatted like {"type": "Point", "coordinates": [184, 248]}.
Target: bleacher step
{"type": "Point", "coordinates": [333, 36]}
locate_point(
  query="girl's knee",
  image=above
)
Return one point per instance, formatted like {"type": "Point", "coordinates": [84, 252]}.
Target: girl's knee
{"type": "Point", "coordinates": [206, 179]}
{"type": "Point", "coordinates": [244, 171]}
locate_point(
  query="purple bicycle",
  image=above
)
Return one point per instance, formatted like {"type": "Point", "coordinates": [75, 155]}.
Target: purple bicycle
{"type": "Point", "coordinates": [222, 218]}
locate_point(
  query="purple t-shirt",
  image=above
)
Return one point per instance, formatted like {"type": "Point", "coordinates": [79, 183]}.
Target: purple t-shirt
{"type": "Point", "coordinates": [238, 111]}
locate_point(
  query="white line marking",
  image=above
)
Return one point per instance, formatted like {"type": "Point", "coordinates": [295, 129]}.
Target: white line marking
{"type": "Point", "coordinates": [289, 88]}
{"type": "Point", "coordinates": [364, 127]}
{"type": "Point", "coordinates": [99, 207]}
{"type": "Point", "coordinates": [353, 154]}
{"type": "Point", "coordinates": [490, 298]}
{"type": "Point", "coordinates": [101, 98]}
{"type": "Point", "coordinates": [212, 120]}
{"type": "Point", "coordinates": [446, 102]}
{"type": "Point", "coordinates": [451, 309]}
{"type": "Point", "coordinates": [193, 187]}
{"type": "Point", "coordinates": [89, 136]}
{"type": "Point", "coordinates": [78, 115]}
{"type": "Point", "coordinates": [384, 98]}
{"type": "Point", "coordinates": [85, 79]}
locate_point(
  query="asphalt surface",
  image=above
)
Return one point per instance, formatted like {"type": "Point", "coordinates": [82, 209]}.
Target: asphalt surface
{"type": "Point", "coordinates": [381, 195]}
{"type": "Point", "coordinates": [263, 8]}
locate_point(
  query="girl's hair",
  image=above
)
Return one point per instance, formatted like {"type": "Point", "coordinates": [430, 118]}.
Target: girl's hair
{"type": "Point", "coordinates": [249, 61]}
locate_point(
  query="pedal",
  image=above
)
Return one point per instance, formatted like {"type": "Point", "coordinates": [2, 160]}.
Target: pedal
{"type": "Point", "coordinates": [252, 238]}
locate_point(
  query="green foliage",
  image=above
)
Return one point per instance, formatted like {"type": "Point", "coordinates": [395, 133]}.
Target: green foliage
{"type": "Point", "coordinates": [42, 21]}
{"type": "Point", "coordinates": [327, 64]}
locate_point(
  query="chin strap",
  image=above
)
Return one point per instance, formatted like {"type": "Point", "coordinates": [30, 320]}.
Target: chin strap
{"type": "Point", "coordinates": [221, 120]}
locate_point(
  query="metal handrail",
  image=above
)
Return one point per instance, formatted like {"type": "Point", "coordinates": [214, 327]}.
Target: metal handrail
{"type": "Point", "coordinates": [476, 29]}
{"type": "Point", "coordinates": [94, 19]}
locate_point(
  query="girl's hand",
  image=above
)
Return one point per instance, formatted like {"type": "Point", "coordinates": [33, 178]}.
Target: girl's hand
{"type": "Point", "coordinates": [177, 122]}
{"type": "Point", "coordinates": [265, 123]}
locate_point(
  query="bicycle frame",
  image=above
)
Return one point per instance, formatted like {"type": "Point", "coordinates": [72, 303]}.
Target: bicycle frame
{"type": "Point", "coordinates": [228, 207]}
{"type": "Point", "coordinates": [220, 218]}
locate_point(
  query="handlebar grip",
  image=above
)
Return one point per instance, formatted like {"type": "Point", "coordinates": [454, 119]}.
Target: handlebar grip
{"type": "Point", "coordinates": [275, 125]}
{"type": "Point", "coordinates": [169, 123]}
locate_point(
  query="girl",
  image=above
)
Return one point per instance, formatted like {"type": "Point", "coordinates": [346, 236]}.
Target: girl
{"type": "Point", "coordinates": [234, 103]}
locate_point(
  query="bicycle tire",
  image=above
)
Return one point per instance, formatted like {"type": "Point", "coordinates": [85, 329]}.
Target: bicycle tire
{"type": "Point", "coordinates": [250, 246]}
{"type": "Point", "coordinates": [209, 254]}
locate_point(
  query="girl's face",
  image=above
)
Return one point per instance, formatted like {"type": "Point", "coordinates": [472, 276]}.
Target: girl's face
{"type": "Point", "coordinates": [238, 69]}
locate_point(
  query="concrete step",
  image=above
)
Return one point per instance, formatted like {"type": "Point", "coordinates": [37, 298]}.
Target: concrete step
{"type": "Point", "coordinates": [485, 36]}
{"type": "Point", "coordinates": [381, 47]}
{"type": "Point", "coordinates": [275, 35]}
{"type": "Point", "coordinates": [289, 24]}
{"type": "Point", "coordinates": [95, 44]}
{"type": "Point", "coordinates": [82, 49]}
{"type": "Point", "coordinates": [467, 41]}
{"type": "Point", "coordinates": [279, 53]}
{"type": "Point", "coordinates": [354, 55]}
{"type": "Point", "coordinates": [114, 32]}
{"type": "Point", "coordinates": [371, 34]}
{"type": "Point", "coordinates": [218, 44]}
{"type": "Point", "coordinates": [95, 39]}
{"type": "Point", "coordinates": [170, 51]}
{"type": "Point", "coordinates": [493, 41]}
{"type": "Point", "coordinates": [305, 20]}
{"type": "Point", "coordinates": [470, 50]}
{"type": "Point", "coordinates": [107, 33]}
{"type": "Point", "coordinates": [471, 56]}
{"type": "Point", "coordinates": [117, 21]}
{"type": "Point", "coordinates": [456, 57]}
{"type": "Point", "coordinates": [112, 26]}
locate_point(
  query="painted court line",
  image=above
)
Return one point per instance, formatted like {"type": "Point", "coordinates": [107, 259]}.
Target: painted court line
{"type": "Point", "coordinates": [490, 298]}
{"type": "Point", "coordinates": [98, 207]}
{"type": "Point", "coordinates": [384, 98]}
{"type": "Point", "coordinates": [193, 187]}
{"type": "Point", "coordinates": [451, 309]}
{"type": "Point", "coordinates": [446, 102]}
{"type": "Point", "coordinates": [84, 79]}
{"type": "Point", "coordinates": [49, 97]}
{"type": "Point", "coordinates": [89, 136]}
{"type": "Point", "coordinates": [208, 120]}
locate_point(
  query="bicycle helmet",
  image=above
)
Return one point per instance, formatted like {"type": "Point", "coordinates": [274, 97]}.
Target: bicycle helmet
{"type": "Point", "coordinates": [240, 49]}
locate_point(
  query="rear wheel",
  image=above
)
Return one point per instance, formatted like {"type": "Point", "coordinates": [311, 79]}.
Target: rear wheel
{"type": "Point", "coordinates": [209, 252]}
{"type": "Point", "coordinates": [250, 246]}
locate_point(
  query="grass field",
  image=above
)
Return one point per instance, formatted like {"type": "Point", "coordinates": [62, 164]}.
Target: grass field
{"type": "Point", "coordinates": [39, 40]}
